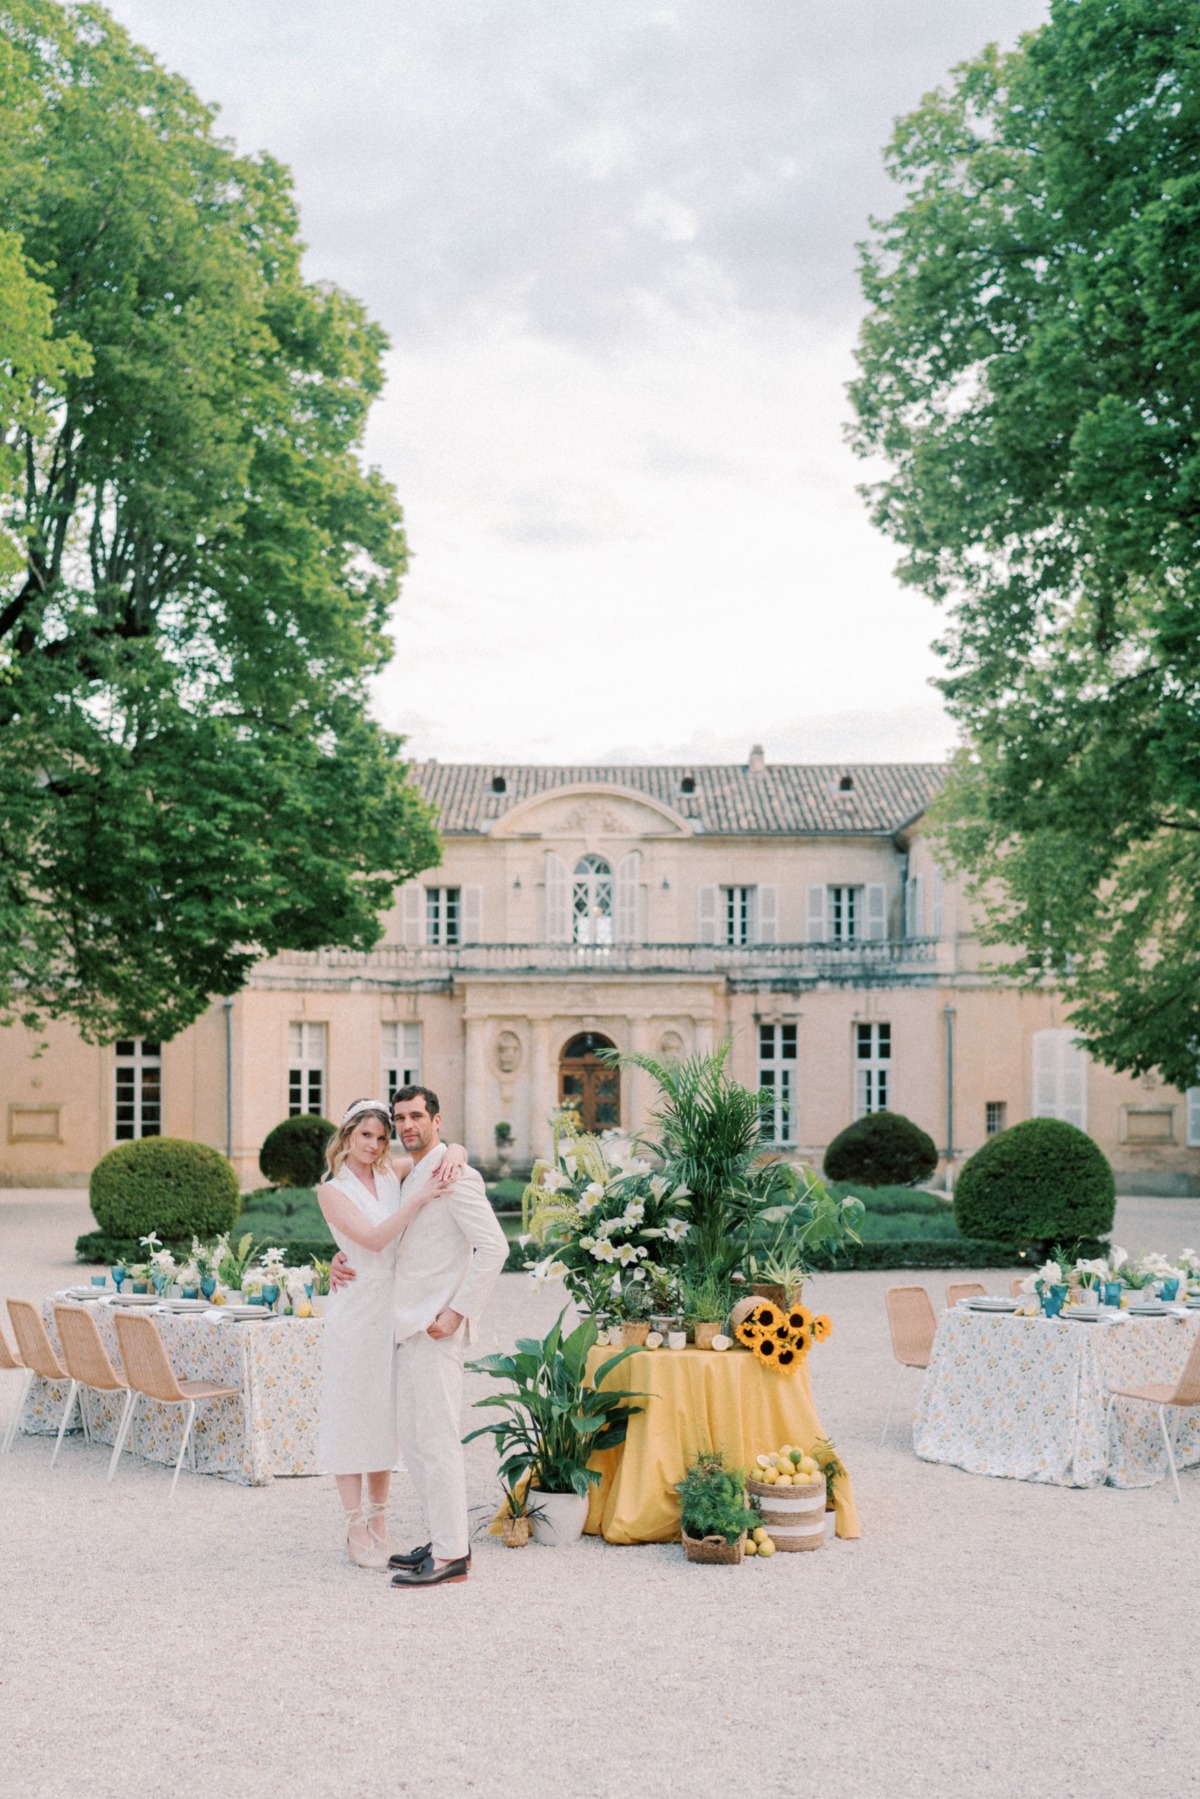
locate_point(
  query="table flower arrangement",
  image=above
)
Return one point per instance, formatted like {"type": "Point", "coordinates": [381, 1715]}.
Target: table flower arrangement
{"type": "Point", "coordinates": [779, 1336]}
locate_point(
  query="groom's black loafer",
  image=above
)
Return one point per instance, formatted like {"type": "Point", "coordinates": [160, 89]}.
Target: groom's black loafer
{"type": "Point", "coordinates": [427, 1575]}
{"type": "Point", "coordinates": [412, 1558]}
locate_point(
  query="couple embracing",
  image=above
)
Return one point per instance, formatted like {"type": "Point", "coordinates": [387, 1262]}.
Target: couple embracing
{"type": "Point", "coordinates": [419, 1249]}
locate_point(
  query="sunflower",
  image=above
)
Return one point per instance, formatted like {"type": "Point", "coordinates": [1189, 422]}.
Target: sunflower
{"type": "Point", "coordinates": [782, 1333]}
{"type": "Point", "coordinates": [766, 1315]}
{"type": "Point", "coordinates": [821, 1327]}
{"type": "Point", "coordinates": [799, 1319]}
{"type": "Point", "coordinates": [802, 1342]}
{"type": "Point", "coordinates": [767, 1348]}
{"type": "Point", "coordinates": [747, 1332]}
{"type": "Point", "coordinates": [787, 1358]}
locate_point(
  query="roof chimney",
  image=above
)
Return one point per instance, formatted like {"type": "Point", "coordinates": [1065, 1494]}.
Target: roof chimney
{"type": "Point", "coordinates": [758, 761]}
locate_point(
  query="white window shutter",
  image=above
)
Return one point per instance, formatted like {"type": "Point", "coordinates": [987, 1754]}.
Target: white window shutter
{"type": "Point", "coordinates": [937, 902]}
{"type": "Point", "coordinates": [1045, 1074]}
{"type": "Point", "coordinates": [815, 914]}
{"type": "Point", "coordinates": [1060, 1067]}
{"type": "Point", "coordinates": [876, 920]}
{"type": "Point", "coordinates": [1074, 1082]}
{"type": "Point", "coordinates": [470, 929]}
{"type": "Point", "coordinates": [628, 894]}
{"type": "Point", "coordinates": [768, 915]}
{"type": "Point", "coordinates": [1192, 1120]}
{"type": "Point", "coordinates": [707, 914]}
{"type": "Point", "coordinates": [412, 913]}
{"type": "Point", "coordinates": [558, 900]}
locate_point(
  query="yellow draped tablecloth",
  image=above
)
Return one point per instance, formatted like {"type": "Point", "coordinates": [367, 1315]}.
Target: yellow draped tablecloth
{"type": "Point", "coordinates": [269, 1430]}
{"type": "Point", "coordinates": [700, 1399]}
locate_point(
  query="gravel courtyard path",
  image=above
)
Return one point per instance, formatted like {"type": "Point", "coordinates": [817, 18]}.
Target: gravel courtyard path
{"type": "Point", "coordinates": [984, 1637]}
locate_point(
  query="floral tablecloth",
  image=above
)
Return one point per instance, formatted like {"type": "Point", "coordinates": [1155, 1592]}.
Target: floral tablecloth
{"type": "Point", "coordinates": [1026, 1398]}
{"type": "Point", "coordinates": [270, 1429]}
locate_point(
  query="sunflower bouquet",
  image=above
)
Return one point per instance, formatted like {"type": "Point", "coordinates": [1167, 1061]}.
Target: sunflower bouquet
{"type": "Point", "coordinates": [780, 1336]}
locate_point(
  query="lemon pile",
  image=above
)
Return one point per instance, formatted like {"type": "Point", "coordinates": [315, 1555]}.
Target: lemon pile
{"type": "Point", "coordinates": [788, 1467]}
{"type": "Point", "coordinates": [759, 1543]}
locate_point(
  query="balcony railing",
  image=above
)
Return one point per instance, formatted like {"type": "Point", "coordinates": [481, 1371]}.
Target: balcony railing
{"type": "Point", "coordinates": [853, 961]}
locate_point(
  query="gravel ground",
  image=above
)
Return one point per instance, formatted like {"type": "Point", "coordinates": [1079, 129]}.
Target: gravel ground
{"type": "Point", "coordinates": [983, 1636]}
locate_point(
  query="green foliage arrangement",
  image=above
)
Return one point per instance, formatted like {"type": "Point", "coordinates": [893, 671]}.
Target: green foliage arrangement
{"type": "Point", "coordinates": [712, 1499]}
{"type": "Point", "coordinates": [163, 1184]}
{"type": "Point", "coordinates": [555, 1419]}
{"type": "Point", "coordinates": [1030, 368]}
{"type": "Point", "coordinates": [707, 1298]}
{"type": "Point", "coordinates": [884, 1149]}
{"type": "Point", "coordinates": [196, 565]}
{"type": "Point", "coordinates": [293, 1154]}
{"type": "Point", "coordinates": [1036, 1182]}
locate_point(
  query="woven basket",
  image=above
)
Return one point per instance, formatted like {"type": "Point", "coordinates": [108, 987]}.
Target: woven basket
{"type": "Point", "coordinates": [703, 1335]}
{"type": "Point", "coordinates": [772, 1290]}
{"type": "Point", "coordinates": [713, 1549]}
{"type": "Point", "coordinates": [794, 1516]}
{"type": "Point", "coordinates": [515, 1532]}
{"type": "Point", "coordinates": [633, 1336]}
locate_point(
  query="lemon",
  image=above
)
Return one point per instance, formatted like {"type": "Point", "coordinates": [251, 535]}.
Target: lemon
{"type": "Point", "coordinates": [751, 1546]}
{"type": "Point", "coordinates": [787, 1450]}
{"type": "Point", "coordinates": [764, 1461]}
{"type": "Point", "coordinates": [759, 1535]}
{"type": "Point", "coordinates": [784, 1480]}
{"type": "Point", "coordinates": [770, 1477]}
{"type": "Point", "coordinates": [767, 1548]}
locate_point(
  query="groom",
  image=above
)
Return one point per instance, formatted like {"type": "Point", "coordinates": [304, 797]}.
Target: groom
{"type": "Point", "coordinates": [446, 1266]}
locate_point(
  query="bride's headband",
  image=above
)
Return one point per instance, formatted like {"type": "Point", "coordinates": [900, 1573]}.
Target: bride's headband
{"type": "Point", "coordinates": [365, 1105]}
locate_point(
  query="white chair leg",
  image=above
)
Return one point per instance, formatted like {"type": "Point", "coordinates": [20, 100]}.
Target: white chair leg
{"type": "Point", "coordinates": [72, 1390]}
{"type": "Point", "coordinates": [187, 1431]}
{"type": "Point", "coordinates": [891, 1405]}
{"type": "Point", "coordinates": [1166, 1437]}
{"type": "Point", "coordinates": [15, 1420]}
{"type": "Point", "coordinates": [122, 1432]}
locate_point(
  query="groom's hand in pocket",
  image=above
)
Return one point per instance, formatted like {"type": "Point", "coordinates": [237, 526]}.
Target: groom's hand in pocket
{"type": "Point", "coordinates": [445, 1324]}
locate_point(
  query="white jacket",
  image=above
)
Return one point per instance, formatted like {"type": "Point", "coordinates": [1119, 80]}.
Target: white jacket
{"type": "Point", "coordinates": [449, 1255]}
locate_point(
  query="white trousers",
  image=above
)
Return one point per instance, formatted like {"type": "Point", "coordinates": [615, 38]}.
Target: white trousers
{"type": "Point", "coordinates": [429, 1383]}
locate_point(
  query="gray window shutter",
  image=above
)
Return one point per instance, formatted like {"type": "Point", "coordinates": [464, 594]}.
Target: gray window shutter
{"type": "Point", "coordinates": [768, 915]}
{"type": "Point", "coordinates": [707, 914]}
{"type": "Point", "coordinates": [914, 906]}
{"type": "Point", "coordinates": [876, 920]}
{"type": "Point", "coordinates": [412, 913]}
{"type": "Point", "coordinates": [1192, 1117]}
{"type": "Point", "coordinates": [937, 902]}
{"type": "Point", "coordinates": [627, 922]}
{"type": "Point", "coordinates": [558, 900]}
{"type": "Point", "coordinates": [471, 915]}
{"type": "Point", "coordinates": [815, 914]}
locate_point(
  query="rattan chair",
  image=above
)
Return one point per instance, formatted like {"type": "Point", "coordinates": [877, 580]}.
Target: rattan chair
{"type": "Point", "coordinates": [87, 1361]}
{"type": "Point", "coordinates": [1185, 1392]}
{"type": "Point", "coordinates": [149, 1373]}
{"type": "Point", "coordinates": [37, 1354]}
{"type": "Point", "coordinates": [964, 1290]}
{"type": "Point", "coordinates": [9, 1360]}
{"type": "Point", "coordinates": [1016, 1287]}
{"type": "Point", "coordinates": [913, 1326]}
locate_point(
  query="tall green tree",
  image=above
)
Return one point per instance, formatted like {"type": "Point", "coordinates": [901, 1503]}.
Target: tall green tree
{"type": "Point", "coordinates": [197, 565]}
{"type": "Point", "coordinates": [1030, 370]}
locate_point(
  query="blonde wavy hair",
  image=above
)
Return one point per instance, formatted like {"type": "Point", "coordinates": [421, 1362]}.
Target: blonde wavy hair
{"type": "Point", "coordinates": [338, 1147]}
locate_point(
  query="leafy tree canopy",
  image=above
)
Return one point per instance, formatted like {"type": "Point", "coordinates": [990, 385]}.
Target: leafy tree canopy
{"type": "Point", "coordinates": [1030, 369]}
{"type": "Point", "coordinates": [197, 566]}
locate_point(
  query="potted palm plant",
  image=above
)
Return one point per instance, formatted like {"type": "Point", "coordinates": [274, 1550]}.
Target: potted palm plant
{"type": "Point", "coordinates": [555, 1420]}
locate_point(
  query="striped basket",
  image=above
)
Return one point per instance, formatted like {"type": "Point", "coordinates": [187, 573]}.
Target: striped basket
{"type": "Point", "coordinates": [794, 1516]}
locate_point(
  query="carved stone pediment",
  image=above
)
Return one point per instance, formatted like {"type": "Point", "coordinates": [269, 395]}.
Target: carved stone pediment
{"type": "Point", "coordinates": [592, 813]}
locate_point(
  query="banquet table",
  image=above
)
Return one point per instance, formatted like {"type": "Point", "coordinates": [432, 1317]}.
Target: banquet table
{"type": "Point", "coordinates": [697, 1399]}
{"type": "Point", "coordinates": [1026, 1398]}
{"type": "Point", "coordinates": [269, 1430]}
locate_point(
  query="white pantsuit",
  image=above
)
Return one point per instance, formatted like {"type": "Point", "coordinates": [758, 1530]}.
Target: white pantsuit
{"type": "Point", "coordinates": [449, 1257]}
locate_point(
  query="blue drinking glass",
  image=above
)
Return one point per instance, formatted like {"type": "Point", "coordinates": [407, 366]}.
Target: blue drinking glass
{"type": "Point", "coordinates": [1052, 1301]}
{"type": "Point", "coordinates": [99, 1280]}
{"type": "Point", "coordinates": [270, 1295]}
{"type": "Point", "coordinates": [118, 1273]}
{"type": "Point", "coordinates": [1112, 1293]}
{"type": "Point", "coordinates": [1169, 1291]}
{"type": "Point", "coordinates": [254, 1299]}
{"type": "Point", "coordinates": [208, 1286]}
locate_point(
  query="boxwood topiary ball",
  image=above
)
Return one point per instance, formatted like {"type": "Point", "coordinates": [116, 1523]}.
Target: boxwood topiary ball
{"type": "Point", "coordinates": [884, 1149]}
{"type": "Point", "coordinates": [1043, 1180]}
{"type": "Point", "coordinates": [164, 1184]}
{"type": "Point", "coordinates": [293, 1154]}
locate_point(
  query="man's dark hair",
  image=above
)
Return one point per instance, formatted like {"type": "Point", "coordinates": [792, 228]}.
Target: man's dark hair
{"type": "Point", "coordinates": [426, 1093]}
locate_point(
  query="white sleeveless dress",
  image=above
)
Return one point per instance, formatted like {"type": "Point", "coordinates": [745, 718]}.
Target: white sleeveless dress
{"type": "Point", "coordinates": [357, 1432]}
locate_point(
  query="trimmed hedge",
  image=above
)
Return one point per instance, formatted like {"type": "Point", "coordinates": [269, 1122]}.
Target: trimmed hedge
{"type": "Point", "coordinates": [884, 1149]}
{"type": "Point", "coordinates": [293, 1154]}
{"type": "Point", "coordinates": [1042, 1181]}
{"type": "Point", "coordinates": [164, 1184]}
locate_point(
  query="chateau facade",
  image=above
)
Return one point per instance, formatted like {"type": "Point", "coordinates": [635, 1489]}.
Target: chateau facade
{"type": "Point", "coordinates": [794, 910]}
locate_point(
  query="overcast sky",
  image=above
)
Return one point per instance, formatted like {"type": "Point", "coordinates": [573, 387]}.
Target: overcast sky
{"type": "Point", "coordinates": [613, 246]}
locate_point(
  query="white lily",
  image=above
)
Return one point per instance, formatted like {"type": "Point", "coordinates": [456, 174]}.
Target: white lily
{"type": "Point", "coordinates": [677, 1229]}
{"type": "Point", "coordinates": [634, 1214]}
{"type": "Point", "coordinates": [604, 1251]}
{"type": "Point", "coordinates": [658, 1186]}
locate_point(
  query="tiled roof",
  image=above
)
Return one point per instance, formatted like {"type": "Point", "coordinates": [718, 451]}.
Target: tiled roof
{"type": "Point", "coordinates": [786, 799]}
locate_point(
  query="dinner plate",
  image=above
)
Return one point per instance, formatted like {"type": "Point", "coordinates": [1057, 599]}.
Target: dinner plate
{"type": "Point", "coordinates": [1078, 1315]}
{"type": "Point", "coordinates": [240, 1313]}
{"type": "Point", "coordinates": [136, 1299]}
{"type": "Point", "coordinates": [993, 1303]}
{"type": "Point", "coordinates": [1146, 1311]}
{"type": "Point", "coordinates": [186, 1305]}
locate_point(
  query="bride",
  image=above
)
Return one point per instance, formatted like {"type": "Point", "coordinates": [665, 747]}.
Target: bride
{"type": "Point", "coordinates": [361, 1202]}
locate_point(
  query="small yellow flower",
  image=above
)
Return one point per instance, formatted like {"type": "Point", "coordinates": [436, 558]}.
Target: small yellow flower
{"type": "Point", "coordinates": [821, 1327]}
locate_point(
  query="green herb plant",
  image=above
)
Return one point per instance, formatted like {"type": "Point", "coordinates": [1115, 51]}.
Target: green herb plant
{"type": "Point", "coordinates": [712, 1498]}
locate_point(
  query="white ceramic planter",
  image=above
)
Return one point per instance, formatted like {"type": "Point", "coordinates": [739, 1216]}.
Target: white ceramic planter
{"type": "Point", "coordinates": [562, 1525]}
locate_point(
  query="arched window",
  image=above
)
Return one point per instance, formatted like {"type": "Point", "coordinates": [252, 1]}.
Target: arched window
{"type": "Point", "coordinates": [592, 1088]}
{"type": "Point", "coordinates": [592, 901]}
